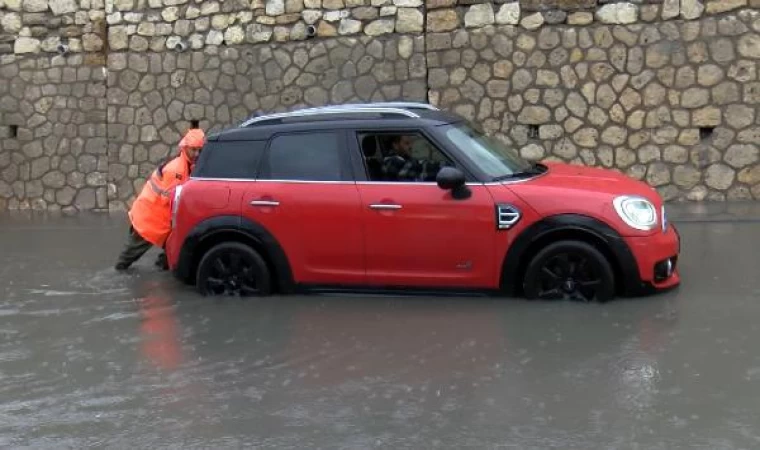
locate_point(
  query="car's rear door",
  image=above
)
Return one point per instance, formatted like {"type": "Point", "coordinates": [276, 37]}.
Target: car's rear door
{"type": "Point", "coordinates": [416, 233]}
{"type": "Point", "coordinates": [306, 197]}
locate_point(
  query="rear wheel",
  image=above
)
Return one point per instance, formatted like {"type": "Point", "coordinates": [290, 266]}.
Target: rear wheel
{"type": "Point", "coordinates": [569, 270]}
{"type": "Point", "coordinates": [233, 269]}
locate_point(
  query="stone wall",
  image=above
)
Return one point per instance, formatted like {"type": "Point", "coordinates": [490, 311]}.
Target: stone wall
{"type": "Point", "coordinates": [152, 97]}
{"type": "Point", "coordinates": [674, 103]}
{"type": "Point", "coordinates": [95, 92]}
{"type": "Point", "coordinates": [53, 149]}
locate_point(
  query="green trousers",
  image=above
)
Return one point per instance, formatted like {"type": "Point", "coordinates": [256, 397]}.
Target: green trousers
{"type": "Point", "coordinates": [134, 249]}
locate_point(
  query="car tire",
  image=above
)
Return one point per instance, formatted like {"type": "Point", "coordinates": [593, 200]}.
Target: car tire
{"type": "Point", "coordinates": [233, 269]}
{"type": "Point", "coordinates": [569, 270]}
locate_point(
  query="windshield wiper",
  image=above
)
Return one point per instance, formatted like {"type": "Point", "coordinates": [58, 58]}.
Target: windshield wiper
{"type": "Point", "coordinates": [534, 169]}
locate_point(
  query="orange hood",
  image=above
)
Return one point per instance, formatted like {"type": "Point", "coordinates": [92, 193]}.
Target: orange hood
{"type": "Point", "coordinates": [193, 138]}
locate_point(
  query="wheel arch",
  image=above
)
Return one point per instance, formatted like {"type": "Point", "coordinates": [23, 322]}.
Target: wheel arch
{"type": "Point", "coordinates": [215, 230]}
{"type": "Point", "coordinates": [569, 227]}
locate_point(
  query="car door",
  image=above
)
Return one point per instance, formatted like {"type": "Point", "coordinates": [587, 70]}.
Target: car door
{"type": "Point", "coordinates": [306, 197]}
{"type": "Point", "coordinates": [417, 234]}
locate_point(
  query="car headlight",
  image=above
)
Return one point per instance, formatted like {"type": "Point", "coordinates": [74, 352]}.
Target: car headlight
{"type": "Point", "coordinates": [638, 212]}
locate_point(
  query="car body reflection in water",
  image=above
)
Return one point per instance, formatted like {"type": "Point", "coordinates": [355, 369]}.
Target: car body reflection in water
{"type": "Point", "coordinates": [160, 339]}
{"type": "Point", "coordinates": [341, 361]}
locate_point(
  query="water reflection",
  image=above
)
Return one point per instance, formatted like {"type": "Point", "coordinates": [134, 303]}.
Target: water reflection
{"type": "Point", "coordinates": [160, 339]}
{"type": "Point", "coordinates": [342, 363]}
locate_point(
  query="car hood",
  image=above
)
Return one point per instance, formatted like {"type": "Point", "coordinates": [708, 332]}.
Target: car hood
{"type": "Point", "coordinates": [583, 178]}
{"type": "Point", "coordinates": [575, 189]}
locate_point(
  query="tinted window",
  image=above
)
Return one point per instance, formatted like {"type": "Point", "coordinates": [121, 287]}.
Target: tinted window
{"type": "Point", "coordinates": [238, 159]}
{"type": "Point", "coordinates": [305, 156]}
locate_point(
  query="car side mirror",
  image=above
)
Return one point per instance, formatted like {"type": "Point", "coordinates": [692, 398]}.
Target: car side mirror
{"type": "Point", "coordinates": [452, 179]}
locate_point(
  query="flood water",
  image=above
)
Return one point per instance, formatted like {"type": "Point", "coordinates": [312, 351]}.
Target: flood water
{"type": "Point", "coordinates": [92, 358]}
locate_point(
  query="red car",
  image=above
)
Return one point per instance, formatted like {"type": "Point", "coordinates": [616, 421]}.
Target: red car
{"type": "Point", "coordinates": [402, 196]}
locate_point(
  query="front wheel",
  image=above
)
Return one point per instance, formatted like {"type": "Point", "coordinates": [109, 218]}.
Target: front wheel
{"type": "Point", "coordinates": [569, 270]}
{"type": "Point", "coordinates": [233, 269]}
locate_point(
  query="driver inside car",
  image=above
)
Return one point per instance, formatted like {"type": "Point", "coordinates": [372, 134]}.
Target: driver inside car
{"type": "Point", "coordinates": [400, 164]}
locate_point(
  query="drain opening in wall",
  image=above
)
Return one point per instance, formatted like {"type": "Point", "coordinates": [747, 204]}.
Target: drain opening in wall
{"type": "Point", "coordinates": [195, 124]}
{"type": "Point", "coordinates": [706, 133]}
{"type": "Point", "coordinates": [533, 131]}
{"type": "Point", "coordinates": [13, 131]}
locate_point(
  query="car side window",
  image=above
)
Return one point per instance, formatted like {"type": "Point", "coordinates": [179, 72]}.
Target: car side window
{"type": "Point", "coordinates": [401, 157]}
{"type": "Point", "coordinates": [312, 156]}
{"type": "Point", "coordinates": [230, 159]}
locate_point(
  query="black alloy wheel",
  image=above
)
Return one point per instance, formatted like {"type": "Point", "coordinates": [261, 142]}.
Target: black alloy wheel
{"type": "Point", "coordinates": [233, 269]}
{"type": "Point", "coordinates": [569, 270]}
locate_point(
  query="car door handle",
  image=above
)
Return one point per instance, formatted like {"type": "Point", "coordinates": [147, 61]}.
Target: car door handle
{"type": "Point", "coordinates": [384, 206]}
{"type": "Point", "coordinates": [265, 203]}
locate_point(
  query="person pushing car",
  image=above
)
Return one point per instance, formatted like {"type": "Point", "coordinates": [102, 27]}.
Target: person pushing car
{"type": "Point", "coordinates": [150, 215]}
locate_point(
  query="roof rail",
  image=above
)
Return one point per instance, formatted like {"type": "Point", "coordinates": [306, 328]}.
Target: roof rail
{"type": "Point", "coordinates": [346, 108]}
{"type": "Point", "coordinates": [329, 110]}
{"type": "Point", "coordinates": [402, 105]}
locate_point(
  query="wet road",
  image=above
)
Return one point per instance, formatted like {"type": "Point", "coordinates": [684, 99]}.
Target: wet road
{"type": "Point", "coordinates": [92, 358]}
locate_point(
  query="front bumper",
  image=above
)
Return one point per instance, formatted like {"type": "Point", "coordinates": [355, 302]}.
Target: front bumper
{"type": "Point", "coordinates": [652, 265]}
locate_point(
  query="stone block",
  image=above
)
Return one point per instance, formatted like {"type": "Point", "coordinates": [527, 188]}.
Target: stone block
{"type": "Point", "coordinates": [618, 13]}
{"type": "Point", "coordinates": [479, 15]}
{"type": "Point", "coordinates": [721, 6]}
{"type": "Point", "coordinates": [508, 14]}
{"type": "Point", "coordinates": [707, 117]}
{"type": "Point", "coordinates": [10, 23]}
{"type": "Point", "coordinates": [349, 26]}
{"type": "Point", "coordinates": [35, 5]}
{"type": "Point", "coordinates": [566, 5]}
{"type": "Point", "coordinates": [532, 21]}
{"type": "Point", "coordinates": [555, 16]}
{"type": "Point", "coordinates": [386, 11]}
{"type": "Point", "coordinates": [691, 9]}
{"type": "Point", "coordinates": [409, 20]}
{"type": "Point", "coordinates": [209, 8]}
{"type": "Point", "coordinates": [442, 20]}
{"type": "Point", "coordinates": [580, 18]}
{"type": "Point", "coordinates": [365, 13]}
{"type": "Point", "coordinates": [719, 176]}
{"type": "Point", "coordinates": [380, 26]}
{"type": "Point", "coordinates": [26, 45]}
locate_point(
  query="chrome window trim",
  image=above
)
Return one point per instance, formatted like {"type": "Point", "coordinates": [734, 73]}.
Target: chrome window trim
{"type": "Point", "coordinates": [254, 180]}
{"type": "Point", "coordinates": [389, 183]}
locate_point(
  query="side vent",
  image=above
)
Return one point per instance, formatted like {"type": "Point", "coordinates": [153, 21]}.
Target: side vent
{"type": "Point", "coordinates": [506, 216]}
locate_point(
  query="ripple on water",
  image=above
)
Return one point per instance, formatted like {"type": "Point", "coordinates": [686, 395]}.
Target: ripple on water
{"type": "Point", "coordinates": [9, 312]}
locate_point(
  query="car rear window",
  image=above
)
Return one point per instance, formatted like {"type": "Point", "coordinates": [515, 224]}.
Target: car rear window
{"type": "Point", "coordinates": [230, 159]}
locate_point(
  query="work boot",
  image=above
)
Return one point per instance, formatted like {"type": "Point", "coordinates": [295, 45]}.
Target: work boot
{"type": "Point", "coordinates": [161, 262]}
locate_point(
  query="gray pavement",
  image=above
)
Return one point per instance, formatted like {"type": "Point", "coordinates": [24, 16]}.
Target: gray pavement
{"type": "Point", "coordinates": [92, 358]}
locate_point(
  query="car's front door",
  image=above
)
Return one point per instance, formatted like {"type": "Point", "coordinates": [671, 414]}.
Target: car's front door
{"type": "Point", "coordinates": [417, 234]}
{"type": "Point", "coordinates": [306, 197]}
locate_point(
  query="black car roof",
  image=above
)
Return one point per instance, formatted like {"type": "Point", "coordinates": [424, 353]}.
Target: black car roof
{"type": "Point", "coordinates": [367, 115]}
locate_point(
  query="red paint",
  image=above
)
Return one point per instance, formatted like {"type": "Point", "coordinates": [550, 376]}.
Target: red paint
{"type": "Point", "coordinates": [332, 235]}
{"type": "Point", "coordinates": [318, 226]}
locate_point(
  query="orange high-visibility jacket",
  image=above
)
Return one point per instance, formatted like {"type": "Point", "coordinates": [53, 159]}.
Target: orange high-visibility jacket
{"type": "Point", "coordinates": [151, 212]}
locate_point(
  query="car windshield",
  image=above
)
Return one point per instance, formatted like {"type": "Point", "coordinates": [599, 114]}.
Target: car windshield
{"type": "Point", "coordinates": [491, 156]}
